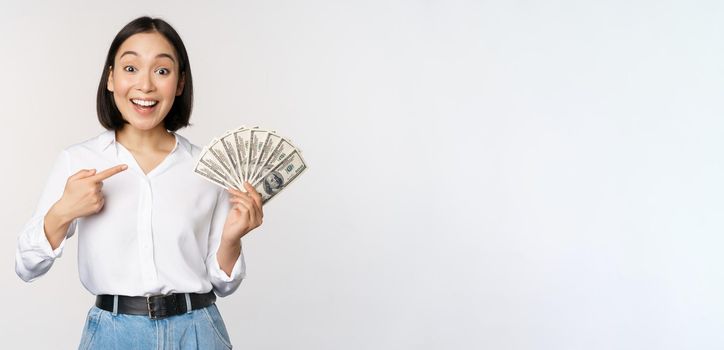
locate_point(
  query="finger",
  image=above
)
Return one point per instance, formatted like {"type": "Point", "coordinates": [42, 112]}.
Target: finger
{"type": "Point", "coordinates": [234, 187]}
{"type": "Point", "coordinates": [257, 209]}
{"type": "Point", "coordinates": [252, 211]}
{"type": "Point", "coordinates": [258, 214]}
{"type": "Point", "coordinates": [83, 173]}
{"type": "Point", "coordinates": [235, 192]}
{"type": "Point", "coordinates": [248, 203]}
{"type": "Point", "coordinates": [110, 172]}
{"type": "Point", "coordinates": [100, 204]}
{"type": "Point", "coordinates": [244, 208]}
{"type": "Point", "coordinates": [254, 194]}
{"type": "Point", "coordinates": [244, 213]}
{"type": "Point", "coordinates": [253, 217]}
{"type": "Point", "coordinates": [249, 188]}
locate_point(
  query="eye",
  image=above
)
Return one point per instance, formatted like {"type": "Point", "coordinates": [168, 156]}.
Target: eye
{"type": "Point", "coordinates": [162, 71]}
{"type": "Point", "coordinates": [129, 69]}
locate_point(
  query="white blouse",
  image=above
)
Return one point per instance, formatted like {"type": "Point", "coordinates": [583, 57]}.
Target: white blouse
{"type": "Point", "coordinates": [157, 233]}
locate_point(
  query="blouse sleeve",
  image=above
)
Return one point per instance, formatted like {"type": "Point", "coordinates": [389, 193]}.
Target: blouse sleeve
{"type": "Point", "coordinates": [34, 255]}
{"type": "Point", "coordinates": [223, 284]}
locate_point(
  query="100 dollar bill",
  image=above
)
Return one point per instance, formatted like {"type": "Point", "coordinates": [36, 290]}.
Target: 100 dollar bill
{"type": "Point", "coordinates": [280, 177]}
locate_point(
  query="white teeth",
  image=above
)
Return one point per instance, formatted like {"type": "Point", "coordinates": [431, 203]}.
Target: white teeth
{"type": "Point", "coordinates": [144, 103]}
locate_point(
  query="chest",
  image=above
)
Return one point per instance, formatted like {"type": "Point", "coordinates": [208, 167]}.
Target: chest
{"type": "Point", "coordinates": [169, 208]}
{"type": "Point", "coordinates": [149, 160]}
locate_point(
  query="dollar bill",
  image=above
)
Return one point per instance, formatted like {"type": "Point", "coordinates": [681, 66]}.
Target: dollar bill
{"type": "Point", "coordinates": [280, 177]}
{"type": "Point", "coordinates": [283, 149]}
{"type": "Point", "coordinates": [211, 161]}
{"type": "Point", "coordinates": [271, 143]}
{"type": "Point", "coordinates": [268, 161]}
{"type": "Point", "coordinates": [258, 137]}
{"type": "Point", "coordinates": [217, 150]}
{"type": "Point", "coordinates": [246, 140]}
{"type": "Point", "coordinates": [241, 142]}
{"type": "Point", "coordinates": [228, 141]}
{"type": "Point", "coordinates": [210, 175]}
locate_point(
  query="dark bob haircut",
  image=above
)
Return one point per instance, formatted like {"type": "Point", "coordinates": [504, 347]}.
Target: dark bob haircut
{"type": "Point", "coordinates": [178, 117]}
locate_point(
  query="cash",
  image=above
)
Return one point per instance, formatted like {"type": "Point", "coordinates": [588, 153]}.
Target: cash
{"type": "Point", "coordinates": [269, 162]}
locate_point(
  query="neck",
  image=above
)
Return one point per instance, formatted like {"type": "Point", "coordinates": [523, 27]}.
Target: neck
{"type": "Point", "coordinates": [144, 140]}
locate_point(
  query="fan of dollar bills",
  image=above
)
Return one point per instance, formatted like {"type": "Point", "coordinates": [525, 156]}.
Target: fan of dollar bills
{"type": "Point", "coordinates": [266, 160]}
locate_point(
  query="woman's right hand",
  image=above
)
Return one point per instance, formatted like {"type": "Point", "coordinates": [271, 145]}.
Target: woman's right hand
{"type": "Point", "coordinates": [82, 195]}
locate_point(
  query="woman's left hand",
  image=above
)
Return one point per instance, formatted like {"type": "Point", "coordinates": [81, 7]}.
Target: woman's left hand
{"type": "Point", "coordinates": [245, 214]}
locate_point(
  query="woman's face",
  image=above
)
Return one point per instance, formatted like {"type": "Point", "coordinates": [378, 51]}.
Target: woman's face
{"type": "Point", "coordinates": [145, 79]}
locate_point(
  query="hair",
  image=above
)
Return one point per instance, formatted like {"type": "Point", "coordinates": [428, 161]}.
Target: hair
{"type": "Point", "coordinates": [178, 117]}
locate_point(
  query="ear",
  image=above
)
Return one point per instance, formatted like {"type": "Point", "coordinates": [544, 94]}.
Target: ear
{"type": "Point", "coordinates": [109, 85]}
{"type": "Point", "coordinates": [181, 83]}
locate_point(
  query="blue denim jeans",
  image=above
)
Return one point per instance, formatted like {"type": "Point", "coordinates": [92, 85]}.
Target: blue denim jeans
{"type": "Point", "coordinates": [197, 329]}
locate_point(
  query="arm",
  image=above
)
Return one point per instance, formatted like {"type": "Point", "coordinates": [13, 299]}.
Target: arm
{"type": "Point", "coordinates": [227, 255]}
{"type": "Point", "coordinates": [235, 215]}
{"type": "Point", "coordinates": [64, 199]}
{"type": "Point", "coordinates": [56, 226]}
{"type": "Point", "coordinates": [240, 213]}
{"type": "Point", "coordinates": [42, 239]}
{"type": "Point", "coordinates": [224, 261]}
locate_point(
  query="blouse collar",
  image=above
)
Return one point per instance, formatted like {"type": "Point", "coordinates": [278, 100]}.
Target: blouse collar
{"type": "Point", "coordinates": [108, 138]}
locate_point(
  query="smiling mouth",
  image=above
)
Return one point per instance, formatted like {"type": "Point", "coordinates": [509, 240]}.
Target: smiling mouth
{"type": "Point", "coordinates": [144, 106]}
{"type": "Point", "coordinates": [144, 103]}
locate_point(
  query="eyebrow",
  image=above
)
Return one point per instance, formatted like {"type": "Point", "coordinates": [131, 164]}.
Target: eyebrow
{"type": "Point", "coordinates": [157, 56]}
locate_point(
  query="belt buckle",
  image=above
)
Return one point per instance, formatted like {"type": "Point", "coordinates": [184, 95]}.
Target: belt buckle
{"type": "Point", "coordinates": [156, 313]}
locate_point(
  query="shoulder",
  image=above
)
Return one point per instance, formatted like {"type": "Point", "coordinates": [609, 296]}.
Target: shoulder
{"type": "Point", "coordinates": [188, 146]}
{"type": "Point", "coordinates": [95, 143]}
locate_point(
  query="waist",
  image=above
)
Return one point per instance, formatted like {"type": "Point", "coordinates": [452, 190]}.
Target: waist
{"type": "Point", "coordinates": [156, 306]}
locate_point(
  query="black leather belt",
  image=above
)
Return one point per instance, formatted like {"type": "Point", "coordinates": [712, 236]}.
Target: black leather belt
{"type": "Point", "coordinates": [156, 306]}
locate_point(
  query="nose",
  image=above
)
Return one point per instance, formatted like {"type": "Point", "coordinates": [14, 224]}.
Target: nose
{"type": "Point", "coordinates": [145, 82]}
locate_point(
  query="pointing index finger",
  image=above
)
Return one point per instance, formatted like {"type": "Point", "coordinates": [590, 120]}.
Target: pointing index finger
{"type": "Point", "coordinates": [109, 172]}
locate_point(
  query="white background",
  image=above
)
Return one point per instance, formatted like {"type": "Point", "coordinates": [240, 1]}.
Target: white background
{"type": "Point", "coordinates": [482, 175]}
